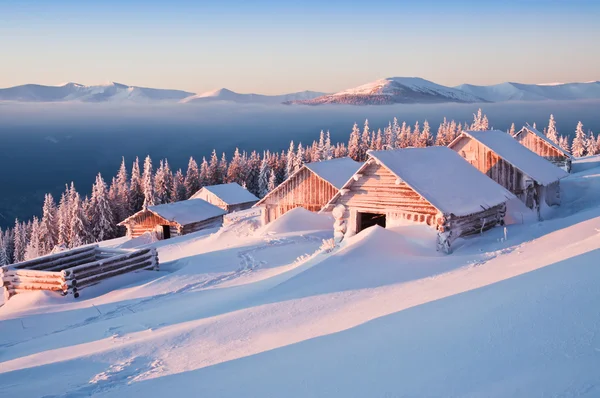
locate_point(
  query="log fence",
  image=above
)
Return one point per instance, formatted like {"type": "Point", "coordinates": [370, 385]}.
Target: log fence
{"type": "Point", "coordinates": [71, 271]}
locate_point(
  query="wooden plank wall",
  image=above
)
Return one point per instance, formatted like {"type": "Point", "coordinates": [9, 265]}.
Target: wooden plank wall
{"type": "Point", "coordinates": [146, 222]}
{"type": "Point", "coordinates": [210, 223]}
{"type": "Point", "coordinates": [212, 199]}
{"type": "Point", "coordinates": [488, 162]}
{"type": "Point", "coordinates": [536, 144]}
{"type": "Point", "coordinates": [304, 189]}
{"type": "Point", "coordinates": [376, 191]}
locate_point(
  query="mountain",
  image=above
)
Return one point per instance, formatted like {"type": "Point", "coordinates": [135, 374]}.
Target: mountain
{"type": "Point", "coordinates": [395, 90]}
{"type": "Point", "coordinates": [111, 92]}
{"type": "Point", "coordinates": [224, 94]}
{"type": "Point", "coordinates": [533, 92]}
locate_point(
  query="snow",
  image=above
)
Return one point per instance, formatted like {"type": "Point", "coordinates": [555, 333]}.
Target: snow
{"type": "Point", "coordinates": [536, 167]}
{"type": "Point", "coordinates": [443, 178]}
{"type": "Point", "coordinates": [237, 312]}
{"type": "Point", "coordinates": [298, 219]}
{"type": "Point", "coordinates": [543, 137]}
{"type": "Point", "coordinates": [224, 94]}
{"type": "Point", "coordinates": [510, 91]}
{"type": "Point", "coordinates": [232, 193]}
{"type": "Point", "coordinates": [187, 211]}
{"type": "Point", "coordinates": [335, 171]}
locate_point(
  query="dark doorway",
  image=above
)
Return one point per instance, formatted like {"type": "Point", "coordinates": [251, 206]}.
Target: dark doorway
{"type": "Point", "coordinates": [166, 230]}
{"type": "Point", "coordinates": [366, 220]}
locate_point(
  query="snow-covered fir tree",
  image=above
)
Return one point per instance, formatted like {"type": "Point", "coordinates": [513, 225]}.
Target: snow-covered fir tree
{"type": "Point", "coordinates": [512, 130]}
{"type": "Point", "coordinates": [394, 137]}
{"type": "Point", "coordinates": [64, 216]}
{"type": "Point", "coordinates": [235, 171]}
{"type": "Point", "coordinates": [253, 165]}
{"type": "Point", "coordinates": [179, 190]}
{"type": "Point", "coordinates": [263, 178]}
{"type": "Point", "coordinates": [480, 122]}
{"type": "Point", "coordinates": [290, 160]}
{"type": "Point", "coordinates": [20, 239]}
{"type": "Point", "coordinates": [272, 181]}
{"type": "Point", "coordinates": [354, 143]}
{"type": "Point", "coordinates": [328, 147]}
{"type": "Point", "coordinates": [163, 183]}
{"type": "Point", "coordinates": [426, 138]}
{"type": "Point", "coordinates": [579, 142]}
{"type": "Point", "coordinates": [192, 177]}
{"type": "Point", "coordinates": [136, 188]}
{"type": "Point", "coordinates": [213, 171]}
{"type": "Point", "coordinates": [551, 131]}
{"type": "Point", "coordinates": [563, 142]}
{"type": "Point", "coordinates": [203, 172]}
{"type": "Point", "coordinates": [3, 250]}
{"type": "Point", "coordinates": [590, 145]}
{"type": "Point", "coordinates": [122, 195]}
{"type": "Point", "coordinates": [33, 242]}
{"type": "Point", "coordinates": [299, 160]}
{"type": "Point", "coordinates": [101, 216]}
{"type": "Point", "coordinates": [48, 228]}
{"type": "Point", "coordinates": [365, 142]}
{"type": "Point", "coordinates": [79, 233]}
{"type": "Point", "coordinates": [148, 178]}
{"type": "Point", "coordinates": [222, 169]}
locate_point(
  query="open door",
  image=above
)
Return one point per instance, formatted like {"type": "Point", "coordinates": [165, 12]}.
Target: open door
{"type": "Point", "coordinates": [166, 231]}
{"type": "Point", "coordinates": [366, 220]}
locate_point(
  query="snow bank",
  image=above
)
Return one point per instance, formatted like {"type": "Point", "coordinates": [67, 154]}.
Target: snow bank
{"type": "Point", "coordinates": [299, 219]}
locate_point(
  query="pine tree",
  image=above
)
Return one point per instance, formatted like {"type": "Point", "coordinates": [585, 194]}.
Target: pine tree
{"type": "Point", "coordinates": [32, 250]}
{"type": "Point", "coordinates": [123, 202]}
{"type": "Point", "coordinates": [203, 173]}
{"type": "Point", "coordinates": [222, 168]}
{"type": "Point", "coordinates": [290, 160]}
{"type": "Point", "coordinates": [299, 160]}
{"type": "Point", "coordinates": [321, 155]}
{"type": "Point", "coordinates": [354, 144]}
{"type": "Point", "coordinates": [162, 193]}
{"type": "Point", "coordinates": [64, 215]}
{"type": "Point", "coordinates": [192, 177]}
{"type": "Point", "coordinates": [263, 178]}
{"type": "Point", "coordinates": [48, 231]}
{"type": "Point", "coordinates": [578, 146]}
{"type": "Point", "coordinates": [415, 139]}
{"type": "Point", "coordinates": [365, 142]}
{"type": "Point", "coordinates": [590, 145]}
{"type": "Point", "coordinates": [179, 190]}
{"type": "Point", "coordinates": [328, 147]}
{"type": "Point", "coordinates": [20, 237]}
{"type": "Point", "coordinates": [440, 137]}
{"type": "Point", "coordinates": [396, 130]}
{"type": "Point", "coordinates": [272, 181]}
{"type": "Point", "coordinates": [78, 228]}
{"type": "Point", "coordinates": [477, 121]}
{"type": "Point", "coordinates": [102, 223]}
{"type": "Point", "coordinates": [563, 142]}
{"type": "Point", "coordinates": [253, 165]}
{"type": "Point", "coordinates": [378, 142]}
{"type": "Point", "coordinates": [512, 130]}
{"type": "Point", "coordinates": [136, 194]}
{"type": "Point", "coordinates": [551, 132]}
{"type": "Point", "coordinates": [213, 170]}
{"type": "Point", "coordinates": [148, 178]}
{"type": "Point", "coordinates": [235, 172]}
{"type": "Point", "coordinates": [485, 125]}
{"type": "Point", "coordinates": [426, 138]}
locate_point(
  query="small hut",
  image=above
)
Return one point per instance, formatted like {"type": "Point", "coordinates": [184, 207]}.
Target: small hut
{"type": "Point", "coordinates": [537, 142]}
{"type": "Point", "coordinates": [432, 186]}
{"type": "Point", "coordinates": [532, 178]}
{"type": "Point", "coordinates": [174, 219]}
{"type": "Point", "coordinates": [311, 187]}
{"type": "Point", "coordinates": [229, 197]}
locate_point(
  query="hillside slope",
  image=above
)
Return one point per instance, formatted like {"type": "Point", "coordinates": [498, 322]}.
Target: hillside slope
{"type": "Point", "coordinates": [255, 312]}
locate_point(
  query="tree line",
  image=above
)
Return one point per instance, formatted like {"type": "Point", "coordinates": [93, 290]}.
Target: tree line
{"type": "Point", "coordinates": [78, 220]}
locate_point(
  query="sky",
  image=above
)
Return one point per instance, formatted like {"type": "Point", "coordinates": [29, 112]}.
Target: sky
{"type": "Point", "coordinates": [274, 47]}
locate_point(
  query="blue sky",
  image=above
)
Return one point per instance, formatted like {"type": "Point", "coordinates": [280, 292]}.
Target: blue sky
{"type": "Point", "coordinates": [276, 47]}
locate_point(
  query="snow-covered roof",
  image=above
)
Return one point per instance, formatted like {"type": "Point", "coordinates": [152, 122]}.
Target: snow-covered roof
{"type": "Point", "coordinates": [232, 193]}
{"type": "Point", "coordinates": [184, 212]}
{"type": "Point", "coordinates": [335, 171]}
{"type": "Point", "coordinates": [511, 150]}
{"type": "Point", "coordinates": [544, 138]}
{"type": "Point", "coordinates": [443, 178]}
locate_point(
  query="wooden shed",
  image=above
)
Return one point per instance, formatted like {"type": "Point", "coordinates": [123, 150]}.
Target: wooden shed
{"type": "Point", "coordinates": [432, 186]}
{"type": "Point", "coordinates": [311, 187]}
{"type": "Point", "coordinates": [174, 219]}
{"type": "Point", "coordinates": [537, 142]}
{"type": "Point", "coordinates": [229, 197]}
{"type": "Point", "coordinates": [530, 177]}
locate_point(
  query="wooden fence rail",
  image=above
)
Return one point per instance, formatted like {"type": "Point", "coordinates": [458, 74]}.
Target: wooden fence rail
{"type": "Point", "coordinates": [69, 272]}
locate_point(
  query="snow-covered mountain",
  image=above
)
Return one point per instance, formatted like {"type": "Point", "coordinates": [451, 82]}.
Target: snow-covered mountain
{"type": "Point", "coordinates": [533, 92]}
{"type": "Point", "coordinates": [111, 92]}
{"type": "Point", "coordinates": [224, 94]}
{"type": "Point", "coordinates": [396, 90]}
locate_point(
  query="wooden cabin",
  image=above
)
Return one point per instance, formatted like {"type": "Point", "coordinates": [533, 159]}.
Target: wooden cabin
{"type": "Point", "coordinates": [432, 186]}
{"type": "Point", "coordinates": [502, 158]}
{"type": "Point", "coordinates": [174, 219]}
{"type": "Point", "coordinates": [537, 142]}
{"type": "Point", "coordinates": [229, 197]}
{"type": "Point", "coordinates": [311, 187]}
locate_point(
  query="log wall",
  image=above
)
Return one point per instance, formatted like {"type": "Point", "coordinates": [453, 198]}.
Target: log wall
{"type": "Point", "coordinates": [379, 191]}
{"type": "Point", "coordinates": [495, 167]}
{"type": "Point", "coordinates": [70, 277]}
{"type": "Point", "coordinates": [538, 145]}
{"type": "Point", "coordinates": [210, 223]}
{"type": "Point", "coordinates": [304, 189]}
{"type": "Point", "coordinates": [148, 222]}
